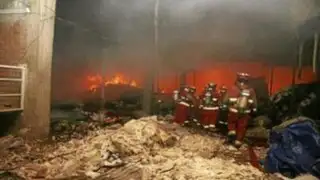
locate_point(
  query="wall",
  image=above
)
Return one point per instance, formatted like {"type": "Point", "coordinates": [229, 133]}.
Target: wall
{"type": "Point", "coordinates": [12, 50]}
{"type": "Point", "coordinates": [71, 84]}
{"type": "Point", "coordinates": [27, 39]}
{"type": "Point", "coordinates": [12, 35]}
{"type": "Point", "coordinates": [225, 74]}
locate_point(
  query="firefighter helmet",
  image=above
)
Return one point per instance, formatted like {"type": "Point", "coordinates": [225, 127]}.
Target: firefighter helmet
{"type": "Point", "coordinates": [193, 89]}
{"type": "Point", "coordinates": [242, 77]}
{"type": "Point", "coordinates": [186, 89]}
{"type": "Point", "coordinates": [212, 85]}
{"type": "Point", "coordinates": [223, 88]}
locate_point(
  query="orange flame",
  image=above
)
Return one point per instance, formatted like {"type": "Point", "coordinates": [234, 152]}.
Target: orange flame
{"type": "Point", "coordinates": [96, 81]}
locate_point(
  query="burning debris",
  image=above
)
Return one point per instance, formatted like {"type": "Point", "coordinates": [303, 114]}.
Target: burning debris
{"type": "Point", "coordinates": [97, 80]}
{"type": "Point", "coordinates": [151, 148]}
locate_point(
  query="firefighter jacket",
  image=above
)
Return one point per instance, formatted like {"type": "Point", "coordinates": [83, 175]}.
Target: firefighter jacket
{"type": "Point", "coordinates": [223, 100]}
{"type": "Point", "coordinates": [185, 98]}
{"type": "Point", "coordinates": [242, 101]}
{"type": "Point", "coordinates": [209, 101]}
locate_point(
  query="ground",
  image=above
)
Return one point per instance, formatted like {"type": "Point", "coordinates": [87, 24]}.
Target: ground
{"type": "Point", "coordinates": [145, 149]}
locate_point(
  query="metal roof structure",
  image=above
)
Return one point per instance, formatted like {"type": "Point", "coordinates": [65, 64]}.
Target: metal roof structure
{"type": "Point", "coordinates": [308, 34]}
{"type": "Point", "coordinates": [309, 28]}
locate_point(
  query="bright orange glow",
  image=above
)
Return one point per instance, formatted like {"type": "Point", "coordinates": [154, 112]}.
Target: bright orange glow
{"type": "Point", "coordinates": [96, 81]}
{"type": "Point", "coordinates": [225, 74]}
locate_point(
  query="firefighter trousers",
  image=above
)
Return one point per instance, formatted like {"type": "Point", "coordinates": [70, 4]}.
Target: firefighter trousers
{"type": "Point", "coordinates": [182, 112]}
{"type": "Point", "coordinates": [209, 117]}
{"type": "Point", "coordinates": [237, 125]}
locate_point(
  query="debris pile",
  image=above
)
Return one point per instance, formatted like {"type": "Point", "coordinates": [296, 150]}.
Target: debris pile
{"type": "Point", "coordinates": [297, 100]}
{"type": "Point", "coordinates": [158, 150]}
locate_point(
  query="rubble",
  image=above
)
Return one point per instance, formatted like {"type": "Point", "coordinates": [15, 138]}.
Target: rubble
{"type": "Point", "coordinates": [152, 149]}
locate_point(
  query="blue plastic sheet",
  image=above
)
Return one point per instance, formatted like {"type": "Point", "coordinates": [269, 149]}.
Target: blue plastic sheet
{"type": "Point", "coordinates": [294, 149]}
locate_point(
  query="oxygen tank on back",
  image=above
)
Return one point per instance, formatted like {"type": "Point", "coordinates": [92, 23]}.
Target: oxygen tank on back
{"type": "Point", "coordinates": [243, 100]}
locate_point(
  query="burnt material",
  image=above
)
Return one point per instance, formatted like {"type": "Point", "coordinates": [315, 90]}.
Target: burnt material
{"type": "Point", "coordinates": [306, 103]}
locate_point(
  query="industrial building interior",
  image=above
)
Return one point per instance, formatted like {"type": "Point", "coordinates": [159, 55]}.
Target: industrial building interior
{"type": "Point", "coordinates": [159, 89]}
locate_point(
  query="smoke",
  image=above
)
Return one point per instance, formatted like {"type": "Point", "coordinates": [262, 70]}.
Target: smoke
{"type": "Point", "coordinates": [190, 31]}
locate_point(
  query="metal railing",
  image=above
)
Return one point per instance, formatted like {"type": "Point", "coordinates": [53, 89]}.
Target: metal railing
{"type": "Point", "coordinates": [22, 80]}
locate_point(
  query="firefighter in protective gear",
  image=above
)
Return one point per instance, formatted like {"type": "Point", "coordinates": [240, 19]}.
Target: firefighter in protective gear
{"type": "Point", "coordinates": [183, 105]}
{"type": "Point", "coordinates": [242, 100]}
{"type": "Point", "coordinates": [211, 87]}
{"type": "Point", "coordinates": [209, 107]}
{"type": "Point", "coordinates": [193, 101]}
{"type": "Point", "coordinates": [223, 105]}
{"type": "Point", "coordinates": [223, 98]}
{"type": "Point", "coordinates": [175, 95]}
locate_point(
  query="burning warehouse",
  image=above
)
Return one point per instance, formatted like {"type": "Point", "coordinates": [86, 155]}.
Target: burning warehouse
{"type": "Point", "coordinates": [159, 89]}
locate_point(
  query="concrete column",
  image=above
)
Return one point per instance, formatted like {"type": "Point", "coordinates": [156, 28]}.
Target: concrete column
{"type": "Point", "coordinates": [40, 33]}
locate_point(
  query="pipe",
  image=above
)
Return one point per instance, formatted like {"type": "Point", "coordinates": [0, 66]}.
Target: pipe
{"type": "Point", "coordinates": [150, 78]}
{"type": "Point", "coordinates": [194, 77]}
{"type": "Point", "coordinates": [294, 75]}
{"type": "Point", "coordinates": [157, 79]}
{"type": "Point", "coordinates": [300, 59]}
{"type": "Point", "coordinates": [183, 78]}
{"type": "Point", "coordinates": [315, 52]}
{"type": "Point", "coordinates": [271, 80]}
{"type": "Point", "coordinates": [156, 42]}
{"type": "Point", "coordinates": [178, 80]}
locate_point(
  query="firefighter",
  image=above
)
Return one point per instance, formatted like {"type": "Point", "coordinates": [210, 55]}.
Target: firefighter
{"type": "Point", "coordinates": [194, 101]}
{"type": "Point", "coordinates": [175, 95]}
{"type": "Point", "coordinates": [223, 105]}
{"type": "Point", "coordinates": [183, 105]}
{"type": "Point", "coordinates": [212, 87]}
{"type": "Point", "coordinates": [242, 101]}
{"type": "Point", "coordinates": [209, 107]}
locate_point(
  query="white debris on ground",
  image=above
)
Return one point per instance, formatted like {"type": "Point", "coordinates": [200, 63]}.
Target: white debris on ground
{"type": "Point", "coordinates": [161, 150]}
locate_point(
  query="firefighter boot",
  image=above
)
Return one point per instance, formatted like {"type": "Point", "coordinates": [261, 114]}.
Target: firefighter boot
{"type": "Point", "coordinates": [232, 124]}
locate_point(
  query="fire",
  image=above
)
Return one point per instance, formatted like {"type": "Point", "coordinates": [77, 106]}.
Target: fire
{"type": "Point", "coordinates": [96, 81]}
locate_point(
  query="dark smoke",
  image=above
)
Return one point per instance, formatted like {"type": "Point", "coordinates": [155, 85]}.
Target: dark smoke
{"type": "Point", "coordinates": [121, 32]}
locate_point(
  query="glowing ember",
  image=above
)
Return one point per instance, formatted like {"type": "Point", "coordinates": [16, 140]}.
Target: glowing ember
{"type": "Point", "coordinates": [96, 81]}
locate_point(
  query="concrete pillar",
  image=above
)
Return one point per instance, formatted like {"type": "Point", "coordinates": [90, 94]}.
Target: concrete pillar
{"type": "Point", "coordinates": [40, 33]}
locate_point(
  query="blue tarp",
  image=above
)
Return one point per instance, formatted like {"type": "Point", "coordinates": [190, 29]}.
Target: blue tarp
{"type": "Point", "coordinates": [294, 148]}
